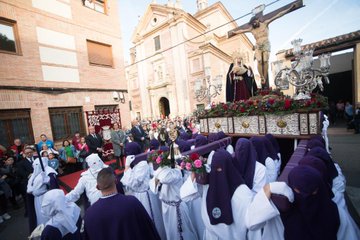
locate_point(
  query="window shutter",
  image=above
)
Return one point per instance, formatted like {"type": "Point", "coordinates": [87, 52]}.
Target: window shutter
{"type": "Point", "coordinates": [99, 54]}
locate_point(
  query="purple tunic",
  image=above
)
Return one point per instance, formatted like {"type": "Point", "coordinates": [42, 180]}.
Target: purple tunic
{"type": "Point", "coordinates": [315, 143]}
{"type": "Point", "coordinates": [185, 136]}
{"type": "Point", "coordinates": [213, 137]}
{"type": "Point", "coordinates": [183, 145]}
{"type": "Point", "coordinates": [118, 217]}
{"type": "Point", "coordinates": [221, 135]}
{"type": "Point", "coordinates": [200, 140]}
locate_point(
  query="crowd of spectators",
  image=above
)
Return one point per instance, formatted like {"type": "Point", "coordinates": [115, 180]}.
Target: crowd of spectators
{"type": "Point", "coordinates": [69, 155]}
{"type": "Point", "coordinates": [344, 111]}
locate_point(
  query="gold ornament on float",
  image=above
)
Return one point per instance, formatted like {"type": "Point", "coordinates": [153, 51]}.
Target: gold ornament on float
{"type": "Point", "coordinates": [281, 123]}
{"type": "Point", "coordinates": [245, 124]}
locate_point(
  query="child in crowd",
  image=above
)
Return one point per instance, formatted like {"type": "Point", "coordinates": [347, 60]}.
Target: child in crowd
{"type": "Point", "coordinates": [84, 152]}
{"type": "Point", "coordinates": [53, 161]}
{"type": "Point", "coordinates": [45, 147]}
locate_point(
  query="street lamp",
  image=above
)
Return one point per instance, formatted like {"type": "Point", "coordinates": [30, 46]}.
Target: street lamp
{"type": "Point", "coordinates": [302, 74]}
{"type": "Point", "coordinates": [205, 89]}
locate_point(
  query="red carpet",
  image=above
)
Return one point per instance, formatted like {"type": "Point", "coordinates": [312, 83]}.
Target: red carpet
{"type": "Point", "coordinates": [68, 182]}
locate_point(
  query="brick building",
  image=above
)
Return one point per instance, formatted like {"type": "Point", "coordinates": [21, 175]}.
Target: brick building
{"type": "Point", "coordinates": [59, 59]}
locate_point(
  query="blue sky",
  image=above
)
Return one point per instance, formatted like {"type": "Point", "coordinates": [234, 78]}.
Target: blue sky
{"type": "Point", "coordinates": [319, 19]}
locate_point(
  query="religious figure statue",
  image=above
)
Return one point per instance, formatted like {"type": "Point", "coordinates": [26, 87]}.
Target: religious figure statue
{"type": "Point", "coordinates": [259, 27]}
{"type": "Point", "coordinates": [240, 81]}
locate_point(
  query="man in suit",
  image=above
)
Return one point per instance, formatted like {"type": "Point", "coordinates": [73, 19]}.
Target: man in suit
{"type": "Point", "coordinates": [138, 133]}
{"type": "Point", "coordinates": [24, 171]}
{"type": "Point", "coordinates": [94, 142]}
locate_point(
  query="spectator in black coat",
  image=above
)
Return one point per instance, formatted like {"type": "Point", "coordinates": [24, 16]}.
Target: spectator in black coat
{"type": "Point", "coordinates": [24, 171]}
{"type": "Point", "coordinates": [94, 142]}
{"type": "Point", "coordinates": [138, 133]}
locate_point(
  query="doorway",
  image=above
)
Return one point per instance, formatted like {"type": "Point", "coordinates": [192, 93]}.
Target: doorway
{"type": "Point", "coordinates": [164, 107]}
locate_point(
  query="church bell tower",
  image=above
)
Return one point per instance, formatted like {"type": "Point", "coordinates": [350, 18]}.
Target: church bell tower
{"type": "Point", "coordinates": [202, 4]}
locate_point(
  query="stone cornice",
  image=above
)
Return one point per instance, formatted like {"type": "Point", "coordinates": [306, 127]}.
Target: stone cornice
{"type": "Point", "coordinates": [213, 7]}
{"type": "Point", "coordinates": [162, 85]}
{"type": "Point", "coordinates": [179, 16]}
{"type": "Point", "coordinates": [216, 51]}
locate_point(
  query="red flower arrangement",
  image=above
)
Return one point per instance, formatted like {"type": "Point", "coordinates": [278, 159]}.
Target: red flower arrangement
{"type": "Point", "coordinates": [276, 103]}
{"type": "Point", "coordinates": [160, 158]}
{"type": "Point", "coordinates": [194, 163]}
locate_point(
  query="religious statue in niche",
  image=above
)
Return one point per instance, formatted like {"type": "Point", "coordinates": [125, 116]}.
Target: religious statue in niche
{"type": "Point", "coordinates": [240, 81]}
{"type": "Point", "coordinates": [259, 27]}
{"type": "Point", "coordinates": [160, 74]}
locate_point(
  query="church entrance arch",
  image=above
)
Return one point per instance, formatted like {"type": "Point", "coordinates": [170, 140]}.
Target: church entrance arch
{"type": "Point", "coordinates": [164, 107]}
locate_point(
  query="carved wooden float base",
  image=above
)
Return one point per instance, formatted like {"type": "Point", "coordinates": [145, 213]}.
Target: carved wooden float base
{"type": "Point", "coordinates": [292, 125]}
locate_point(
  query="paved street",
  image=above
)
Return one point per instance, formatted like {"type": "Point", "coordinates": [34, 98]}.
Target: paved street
{"type": "Point", "coordinates": [345, 149]}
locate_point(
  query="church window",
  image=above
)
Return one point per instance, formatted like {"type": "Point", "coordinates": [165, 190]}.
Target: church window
{"type": "Point", "coordinates": [157, 43]}
{"type": "Point", "coordinates": [160, 73]}
{"type": "Point", "coordinates": [154, 21]}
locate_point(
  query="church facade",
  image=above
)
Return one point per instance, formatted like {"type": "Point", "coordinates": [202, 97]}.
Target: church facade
{"type": "Point", "coordinates": [172, 49]}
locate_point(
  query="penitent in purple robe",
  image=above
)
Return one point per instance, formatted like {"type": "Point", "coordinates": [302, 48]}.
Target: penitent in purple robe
{"type": "Point", "coordinates": [118, 217]}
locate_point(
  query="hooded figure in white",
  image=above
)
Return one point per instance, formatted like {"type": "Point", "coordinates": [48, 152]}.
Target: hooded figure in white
{"type": "Point", "coordinates": [136, 182]}
{"type": "Point", "coordinates": [39, 183]}
{"type": "Point", "coordinates": [87, 181]}
{"type": "Point", "coordinates": [63, 215]}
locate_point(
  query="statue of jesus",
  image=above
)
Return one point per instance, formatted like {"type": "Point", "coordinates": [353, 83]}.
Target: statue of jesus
{"type": "Point", "coordinates": [259, 27]}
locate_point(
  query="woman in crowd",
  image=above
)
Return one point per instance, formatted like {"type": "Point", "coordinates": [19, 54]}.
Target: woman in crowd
{"type": "Point", "coordinates": [118, 139]}
{"type": "Point", "coordinates": [84, 152]}
{"type": "Point", "coordinates": [67, 154]}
